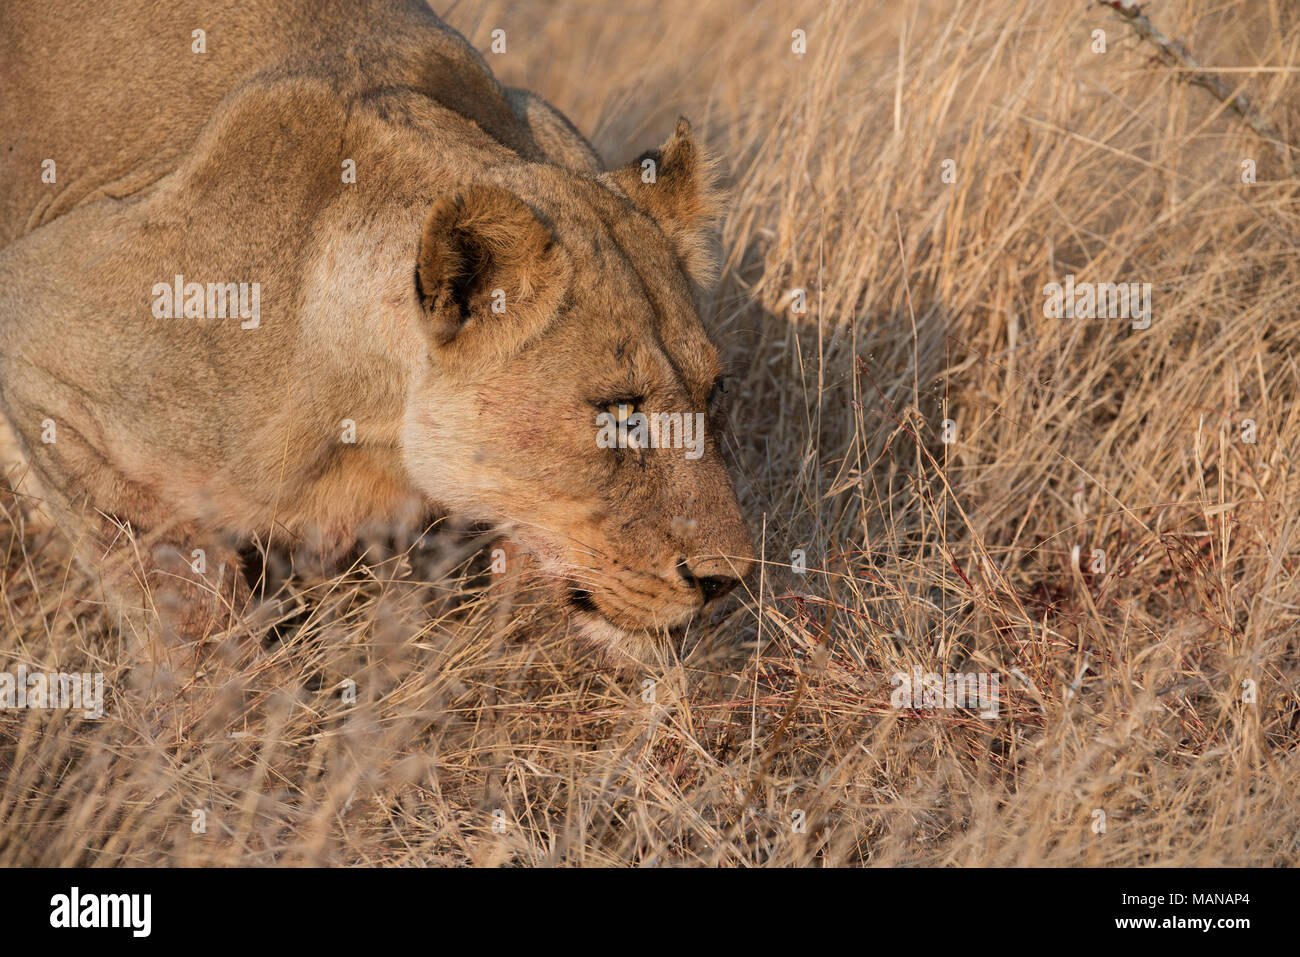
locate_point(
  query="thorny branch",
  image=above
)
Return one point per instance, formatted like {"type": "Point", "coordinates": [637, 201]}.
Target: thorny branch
{"type": "Point", "coordinates": [1175, 53]}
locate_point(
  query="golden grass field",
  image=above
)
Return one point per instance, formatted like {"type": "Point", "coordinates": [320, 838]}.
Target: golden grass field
{"type": "Point", "coordinates": [1163, 693]}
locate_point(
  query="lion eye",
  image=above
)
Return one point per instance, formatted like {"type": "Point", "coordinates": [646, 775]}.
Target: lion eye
{"type": "Point", "coordinates": [620, 410]}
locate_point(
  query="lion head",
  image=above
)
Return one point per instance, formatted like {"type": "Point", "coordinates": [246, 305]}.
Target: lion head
{"type": "Point", "coordinates": [571, 392]}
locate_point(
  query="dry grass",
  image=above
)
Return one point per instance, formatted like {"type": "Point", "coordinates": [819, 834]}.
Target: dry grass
{"type": "Point", "coordinates": [924, 302]}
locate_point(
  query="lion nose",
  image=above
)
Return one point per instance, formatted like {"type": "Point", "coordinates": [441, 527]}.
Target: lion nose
{"type": "Point", "coordinates": [710, 586]}
{"type": "Point", "coordinates": [715, 585]}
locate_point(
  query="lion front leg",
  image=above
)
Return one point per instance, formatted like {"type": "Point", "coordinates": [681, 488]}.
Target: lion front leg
{"type": "Point", "coordinates": [196, 587]}
{"type": "Point", "coordinates": [181, 588]}
{"type": "Point", "coordinates": [157, 576]}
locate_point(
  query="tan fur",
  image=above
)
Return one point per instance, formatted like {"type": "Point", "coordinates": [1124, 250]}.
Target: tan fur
{"type": "Point", "coordinates": [176, 434]}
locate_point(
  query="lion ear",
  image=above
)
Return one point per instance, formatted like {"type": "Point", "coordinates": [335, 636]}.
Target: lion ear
{"type": "Point", "coordinates": [674, 186]}
{"type": "Point", "coordinates": [484, 256]}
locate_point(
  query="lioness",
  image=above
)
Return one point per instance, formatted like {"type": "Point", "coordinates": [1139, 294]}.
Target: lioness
{"type": "Point", "coordinates": [295, 267]}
